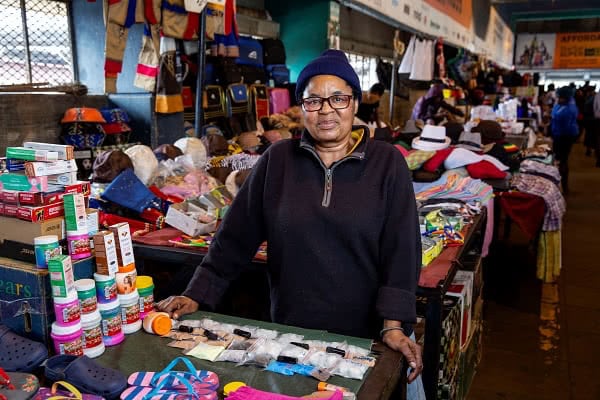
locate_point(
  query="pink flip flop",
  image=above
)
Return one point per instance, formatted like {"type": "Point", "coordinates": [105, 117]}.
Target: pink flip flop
{"type": "Point", "coordinates": [170, 379]}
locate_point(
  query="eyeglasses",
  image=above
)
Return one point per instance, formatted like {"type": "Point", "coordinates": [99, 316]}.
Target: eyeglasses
{"type": "Point", "coordinates": [337, 102]}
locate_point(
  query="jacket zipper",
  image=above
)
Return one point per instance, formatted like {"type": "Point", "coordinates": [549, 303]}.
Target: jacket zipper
{"type": "Point", "coordinates": [328, 189]}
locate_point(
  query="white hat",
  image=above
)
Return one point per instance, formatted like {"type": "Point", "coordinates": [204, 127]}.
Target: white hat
{"type": "Point", "coordinates": [432, 138]}
{"type": "Point", "coordinates": [195, 148]}
{"type": "Point", "coordinates": [144, 162]}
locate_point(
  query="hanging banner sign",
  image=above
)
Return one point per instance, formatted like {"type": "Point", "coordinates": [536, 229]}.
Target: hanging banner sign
{"type": "Point", "coordinates": [577, 50]}
{"type": "Point", "coordinates": [535, 50]}
{"type": "Point", "coordinates": [459, 10]}
{"type": "Point", "coordinates": [451, 20]}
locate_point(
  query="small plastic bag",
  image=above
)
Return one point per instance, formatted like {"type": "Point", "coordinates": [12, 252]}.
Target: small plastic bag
{"type": "Point", "coordinates": [356, 351]}
{"type": "Point", "coordinates": [262, 353]}
{"type": "Point", "coordinates": [350, 369]}
{"type": "Point", "coordinates": [321, 359]}
{"type": "Point", "coordinates": [241, 344]}
{"type": "Point", "coordinates": [235, 356]}
{"type": "Point", "coordinates": [289, 338]}
{"type": "Point", "coordinates": [291, 350]}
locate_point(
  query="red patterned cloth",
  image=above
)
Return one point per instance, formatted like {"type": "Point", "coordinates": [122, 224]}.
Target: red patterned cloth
{"type": "Point", "coordinates": [526, 210]}
{"type": "Point", "coordinates": [485, 170]}
{"type": "Point", "coordinates": [437, 160]}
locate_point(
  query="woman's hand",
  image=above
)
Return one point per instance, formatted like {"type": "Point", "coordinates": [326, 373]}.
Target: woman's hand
{"type": "Point", "coordinates": [397, 340]}
{"type": "Point", "coordinates": [177, 306]}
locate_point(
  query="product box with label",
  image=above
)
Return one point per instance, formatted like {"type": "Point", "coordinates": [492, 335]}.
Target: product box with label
{"type": "Point", "coordinates": [123, 244]}
{"type": "Point", "coordinates": [65, 152]}
{"type": "Point", "coordinates": [75, 216]}
{"type": "Point", "coordinates": [106, 253]}
{"type": "Point", "coordinates": [25, 232]}
{"type": "Point", "coordinates": [41, 213]}
{"type": "Point", "coordinates": [62, 278]}
{"type": "Point", "coordinates": [11, 210]}
{"type": "Point", "coordinates": [22, 153]}
{"type": "Point", "coordinates": [185, 217]}
{"type": "Point", "coordinates": [68, 178]}
{"type": "Point", "coordinates": [10, 197]}
{"type": "Point", "coordinates": [40, 199]}
{"type": "Point", "coordinates": [25, 299]}
{"type": "Point", "coordinates": [82, 187]}
{"type": "Point", "coordinates": [36, 168]}
{"type": "Point", "coordinates": [21, 182]}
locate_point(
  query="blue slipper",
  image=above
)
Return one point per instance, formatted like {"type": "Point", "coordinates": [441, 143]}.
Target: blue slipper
{"type": "Point", "coordinates": [86, 375]}
{"type": "Point", "coordinates": [19, 354]}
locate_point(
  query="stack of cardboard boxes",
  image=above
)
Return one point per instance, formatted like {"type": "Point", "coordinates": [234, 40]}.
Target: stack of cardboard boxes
{"type": "Point", "coordinates": [33, 183]}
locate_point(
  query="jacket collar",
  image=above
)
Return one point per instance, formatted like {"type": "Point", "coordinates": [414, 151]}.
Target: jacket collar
{"type": "Point", "coordinates": [359, 151]}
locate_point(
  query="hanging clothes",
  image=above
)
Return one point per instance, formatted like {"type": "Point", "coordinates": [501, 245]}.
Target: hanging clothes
{"type": "Point", "coordinates": [423, 61]}
{"type": "Point", "coordinates": [169, 83]}
{"type": "Point", "coordinates": [407, 60]}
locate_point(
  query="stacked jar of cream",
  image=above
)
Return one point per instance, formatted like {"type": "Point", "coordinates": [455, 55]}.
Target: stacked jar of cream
{"type": "Point", "coordinates": [66, 332]}
{"type": "Point", "coordinates": [91, 320]}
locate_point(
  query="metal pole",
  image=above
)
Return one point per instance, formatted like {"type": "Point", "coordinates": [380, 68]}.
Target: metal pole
{"type": "Point", "coordinates": [26, 42]}
{"type": "Point", "coordinates": [199, 120]}
{"type": "Point", "coordinates": [394, 74]}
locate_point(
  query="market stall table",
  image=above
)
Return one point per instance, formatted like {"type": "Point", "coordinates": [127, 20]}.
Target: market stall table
{"type": "Point", "coordinates": [433, 285]}
{"type": "Point", "coordinates": [145, 352]}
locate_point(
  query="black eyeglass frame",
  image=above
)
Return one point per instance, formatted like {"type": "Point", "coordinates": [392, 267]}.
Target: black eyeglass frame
{"type": "Point", "coordinates": [328, 99]}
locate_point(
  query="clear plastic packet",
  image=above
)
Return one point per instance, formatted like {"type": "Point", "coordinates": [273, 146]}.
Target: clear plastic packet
{"type": "Point", "coordinates": [356, 351]}
{"type": "Point", "coordinates": [175, 335]}
{"type": "Point", "coordinates": [368, 361]}
{"type": "Point", "coordinates": [262, 352]}
{"type": "Point", "coordinates": [260, 332]}
{"type": "Point", "coordinates": [235, 356]}
{"type": "Point", "coordinates": [286, 338]}
{"type": "Point", "coordinates": [294, 351]}
{"type": "Point", "coordinates": [192, 323]}
{"type": "Point", "coordinates": [317, 345]}
{"type": "Point", "coordinates": [205, 351]}
{"type": "Point", "coordinates": [321, 359]}
{"type": "Point", "coordinates": [350, 369]}
{"type": "Point", "coordinates": [241, 344]}
{"type": "Point", "coordinates": [211, 325]}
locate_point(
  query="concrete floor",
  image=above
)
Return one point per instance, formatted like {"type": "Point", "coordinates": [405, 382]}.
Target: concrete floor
{"type": "Point", "coordinates": [542, 341]}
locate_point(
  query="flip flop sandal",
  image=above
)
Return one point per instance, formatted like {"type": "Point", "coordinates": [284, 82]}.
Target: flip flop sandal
{"type": "Point", "coordinates": [70, 393]}
{"type": "Point", "coordinates": [18, 385]}
{"type": "Point", "coordinates": [199, 379]}
{"type": "Point", "coordinates": [160, 393]}
{"type": "Point", "coordinates": [86, 375]}
{"type": "Point", "coordinates": [19, 354]}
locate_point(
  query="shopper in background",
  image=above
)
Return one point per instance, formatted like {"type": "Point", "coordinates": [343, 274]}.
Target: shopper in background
{"type": "Point", "coordinates": [429, 108]}
{"type": "Point", "coordinates": [564, 131]}
{"type": "Point", "coordinates": [368, 109]}
{"type": "Point", "coordinates": [589, 126]}
{"type": "Point", "coordinates": [339, 214]}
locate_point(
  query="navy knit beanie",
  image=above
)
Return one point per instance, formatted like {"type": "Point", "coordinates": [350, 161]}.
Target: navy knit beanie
{"type": "Point", "coordinates": [330, 62]}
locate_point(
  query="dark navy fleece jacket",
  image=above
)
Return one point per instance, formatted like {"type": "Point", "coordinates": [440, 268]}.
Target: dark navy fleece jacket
{"type": "Point", "coordinates": [344, 247]}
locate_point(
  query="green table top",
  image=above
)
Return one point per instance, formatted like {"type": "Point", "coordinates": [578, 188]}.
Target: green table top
{"type": "Point", "coordinates": [145, 352]}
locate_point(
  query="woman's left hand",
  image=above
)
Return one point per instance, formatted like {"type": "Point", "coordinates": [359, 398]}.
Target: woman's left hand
{"type": "Point", "coordinates": [397, 340]}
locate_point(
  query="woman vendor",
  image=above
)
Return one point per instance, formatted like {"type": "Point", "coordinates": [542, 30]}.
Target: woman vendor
{"type": "Point", "coordinates": [338, 212]}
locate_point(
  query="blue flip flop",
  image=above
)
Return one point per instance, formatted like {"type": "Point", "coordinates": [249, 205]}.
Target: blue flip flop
{"type": "Point", "coordinates": [19, 354]}
{"type": "Point", "coordinates": [86, 375]}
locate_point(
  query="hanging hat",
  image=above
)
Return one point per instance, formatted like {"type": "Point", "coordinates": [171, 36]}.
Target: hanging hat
{"type": "Point", "coordinates": [470, 141]}
{"type": "Point", "coordinates": [410, 127]}
{"type": "Point", "coordinates": [83, 114]}
{"type": "Point", "coordinates": [432, 138]}
{"type": "Point", "coordinates": [330, 62]}
{"type": "Point", "coordinates": [144, 162]}
{"type": "Point", "coordinates": [117, 121]}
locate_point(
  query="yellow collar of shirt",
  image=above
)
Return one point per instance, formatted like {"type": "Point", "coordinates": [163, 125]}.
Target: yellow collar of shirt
{"type": "Point", "coordinates": [357, 136]}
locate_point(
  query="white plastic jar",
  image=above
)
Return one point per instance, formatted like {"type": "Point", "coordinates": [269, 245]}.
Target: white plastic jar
{"type": "Point", "coordinates": [91, 324]}
{"type": "Point", "coordinates": [130, 312]}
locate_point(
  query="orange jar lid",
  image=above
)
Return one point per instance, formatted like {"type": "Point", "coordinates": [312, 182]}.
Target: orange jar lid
{"type": "Point", "coordinates": [161, 325]}
{"type": "Point", "coordinates": [127, 268]}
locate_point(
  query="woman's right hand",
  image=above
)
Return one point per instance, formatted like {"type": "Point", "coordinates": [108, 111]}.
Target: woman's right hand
{"type": "Point", "coordinates": [177, 306]}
